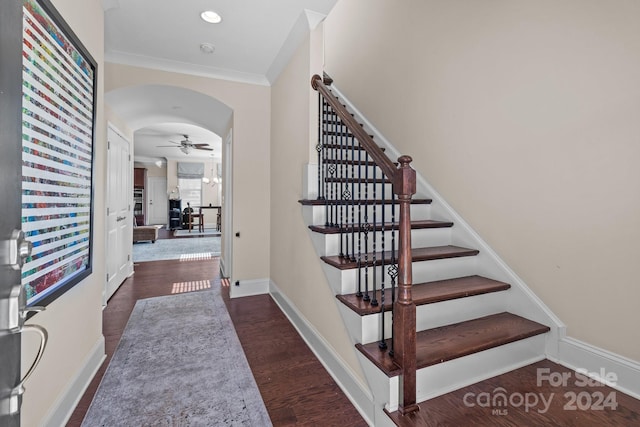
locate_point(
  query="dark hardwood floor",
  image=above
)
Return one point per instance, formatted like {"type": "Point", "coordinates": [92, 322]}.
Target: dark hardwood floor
{"type": "Point", "coordinates": [298, 391]}
{"type": "Point", "coordinates": [541, 394]}
{"type": "Point", "coordinates": [295, 387]}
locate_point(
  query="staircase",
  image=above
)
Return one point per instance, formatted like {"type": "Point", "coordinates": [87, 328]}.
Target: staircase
{"type": "Point", "coordinates": [467, 317]}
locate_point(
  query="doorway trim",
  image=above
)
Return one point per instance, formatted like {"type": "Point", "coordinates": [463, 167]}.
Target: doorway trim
{"type": "Point", "coordinates": [226, 258]}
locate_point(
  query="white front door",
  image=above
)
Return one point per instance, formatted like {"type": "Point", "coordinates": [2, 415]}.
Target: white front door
{"type": "Point", "coordinates": [119, 214]}
{"type": "Point", "coordinates": [158, 207]}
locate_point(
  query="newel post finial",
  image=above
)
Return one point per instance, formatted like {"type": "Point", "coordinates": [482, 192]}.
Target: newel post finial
{"type": "Point", "coordinates": [314, 81]}
{"type": "Point", "coordinates": [404, 184]}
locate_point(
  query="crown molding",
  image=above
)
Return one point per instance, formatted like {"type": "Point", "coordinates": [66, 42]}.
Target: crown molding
{"type": "Point", "coordinates": [124, 58]}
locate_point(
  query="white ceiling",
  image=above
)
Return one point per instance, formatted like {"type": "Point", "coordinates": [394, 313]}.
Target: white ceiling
{"type": "Point", "coordinates": [150, 142]}
{"type": "Point", "coordinates": [252, 44]}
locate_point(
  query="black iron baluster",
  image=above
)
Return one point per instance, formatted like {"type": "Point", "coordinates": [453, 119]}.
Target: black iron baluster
{"type": "Point", "coordinates": [374, 300]}
{"type": "Point", "coordinates": [333, 179]}
{"type": "Point", "coordinates": [353, 191]}
{"type": "Point", "coordinates": [393, 267]}
{"type": "Point", "coordinates": [360, 202]}
{"type": "Point", "coordinates": [367, 297]}
{"type": "Point", "coordinates": [325, 165]}
{"type": "Point", "coordinates": [343, 193]}
{"type": "Point", "coordinates": [321, 121]}
{"type": "Point", "coordinates": [382, 344]}
{"type": "Point", "coordinates": [347, 194]}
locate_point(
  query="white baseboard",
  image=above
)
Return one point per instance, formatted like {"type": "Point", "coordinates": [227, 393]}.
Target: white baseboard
{"type": "Point", "coordinates": [61, 411]}
{"type": "Point", "coordinates": [246, 288]}
{"type": "Point", "coordinates": [577, 355]}
{"type": "Point", "coordinates": [355, 391]}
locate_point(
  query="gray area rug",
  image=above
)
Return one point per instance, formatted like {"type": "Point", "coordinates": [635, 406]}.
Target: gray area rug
{"type": "Point", "coordinates": [186, 249]}
{"type": "Point", "coordinates": [178, 363]}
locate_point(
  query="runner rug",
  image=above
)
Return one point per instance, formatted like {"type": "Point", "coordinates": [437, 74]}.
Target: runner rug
{"type": "Point", "coordinates": [183, 249]}
{"type": "Point", "coordinates": [179, 363]}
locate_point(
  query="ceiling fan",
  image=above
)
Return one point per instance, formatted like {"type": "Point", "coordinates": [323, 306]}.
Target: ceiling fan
{"type": "Point", "coordinates": [186, 146]}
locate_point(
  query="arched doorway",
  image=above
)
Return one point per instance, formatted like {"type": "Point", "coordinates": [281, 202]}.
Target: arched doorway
{"type": "Point", "coordinates": [159, 118]}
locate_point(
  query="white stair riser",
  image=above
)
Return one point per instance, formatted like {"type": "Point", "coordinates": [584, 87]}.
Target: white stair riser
{"type": "Point", "coordinates": [366, 329]}
{"type": "Point", "coordinates": [358, 171]}
{"type": "Point", "coordinates": [346, 281]}
{"type": "Point", "coordinates": [317, 214]}
{"type": "Point", "coordinates": [445, 377]}
{"type": "Point", "coordinates": [439, 379]}
{"type": "Point", "coordinates": [364, 191]}
{"type": "Point", "coordinates": [329, 244]}
{"type": "Point", "coordinates": [344, 151]}
{"type": "Point", "coordinates": [441, 269]}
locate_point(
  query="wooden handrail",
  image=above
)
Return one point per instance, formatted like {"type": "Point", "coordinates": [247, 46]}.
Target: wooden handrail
{"type": "Point", "coordinates": [403, 179]}
{"type": "Point", "coordinates": [376, 153]}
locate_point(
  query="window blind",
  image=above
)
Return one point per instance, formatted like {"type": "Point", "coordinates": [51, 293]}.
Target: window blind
{"type": "Point", "coordinates": [190, 170]}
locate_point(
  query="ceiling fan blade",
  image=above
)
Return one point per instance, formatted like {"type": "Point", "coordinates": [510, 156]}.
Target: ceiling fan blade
{"type": "Point", "coordinates": [203, 148]}
{"type": "Point", "coordinates": [200, 145]}
{"type": "Point", "coordinates": [167, 146]}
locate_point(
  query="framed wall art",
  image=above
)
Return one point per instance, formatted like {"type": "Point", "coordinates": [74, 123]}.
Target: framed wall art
{"type": "Point", "coordinates": [58, 134]}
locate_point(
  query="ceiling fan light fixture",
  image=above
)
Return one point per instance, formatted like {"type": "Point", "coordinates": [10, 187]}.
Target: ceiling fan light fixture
{"type": "Point", "coordinates": [185, 149]}
{"type": "Point", "coordinates": [211, 17]}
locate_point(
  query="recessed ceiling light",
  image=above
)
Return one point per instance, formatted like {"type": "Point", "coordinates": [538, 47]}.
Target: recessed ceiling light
{"type": "Point", "coordinates": [211, 17]}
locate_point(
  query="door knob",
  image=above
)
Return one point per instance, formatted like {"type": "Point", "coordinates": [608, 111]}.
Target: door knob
{"type": "Point", "coordinates": [18, 250]}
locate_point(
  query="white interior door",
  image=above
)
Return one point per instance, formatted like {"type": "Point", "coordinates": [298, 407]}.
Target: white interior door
{"type": "Point", "coordinates": [158, 206]}
{"type": "Point", "coordinates": [119, 215]}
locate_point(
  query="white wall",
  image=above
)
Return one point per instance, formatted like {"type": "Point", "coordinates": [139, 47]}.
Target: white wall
{"type": "Point", "coordinates": [251, 138]}
{"type": "Point", "coordinates": [524, 116]}
{"type": "Point", "coordinates": [295, 265]}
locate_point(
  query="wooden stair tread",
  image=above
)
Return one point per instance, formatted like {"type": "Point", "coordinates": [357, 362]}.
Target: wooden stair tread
{"type": "Point", "coordinates": [415, 225]}
{"type": "Point", "coordinates": [346, 147]}
{"type": "Point", "coordinates": [350, 162]}
{"type": "Point", "coordinates": [428, 293]}
{"type": "Point", "coordinates": [358, 180]}
{"type": "Point", "coordinates": [320, 202]}
{"type": "Point", "coordinates": [418, 254]}
{"type": "Point", "coordinates": [346, 134]}
{"type": "Point", "coordinates": [449, 342]}
{"type": "Point", "coordinates": [338, 122]}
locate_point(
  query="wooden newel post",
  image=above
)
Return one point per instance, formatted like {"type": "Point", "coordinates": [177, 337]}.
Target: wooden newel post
{"type": "Point", "coordinates": [404, 316]}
